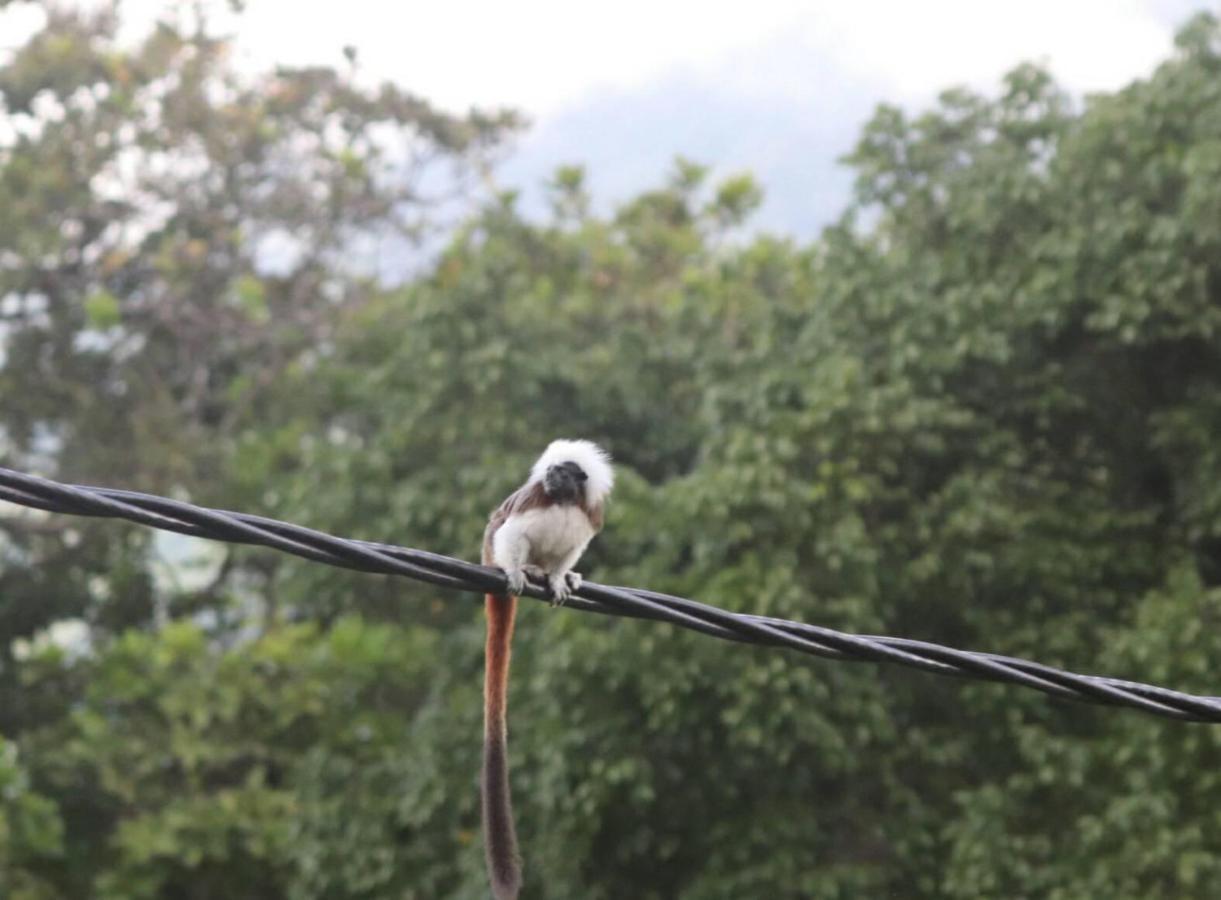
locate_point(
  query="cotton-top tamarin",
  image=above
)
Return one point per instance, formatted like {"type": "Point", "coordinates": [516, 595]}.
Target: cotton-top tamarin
{"type": "Point", "coordinates": [540, 530]}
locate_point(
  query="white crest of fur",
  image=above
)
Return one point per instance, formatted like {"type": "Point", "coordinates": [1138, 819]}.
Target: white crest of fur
{"type": "Point", "coordinates": [592, 459]}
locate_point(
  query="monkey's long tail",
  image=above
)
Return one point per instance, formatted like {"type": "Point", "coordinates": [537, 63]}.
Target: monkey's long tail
{"type": "Point", "coordinates": [499, 835]}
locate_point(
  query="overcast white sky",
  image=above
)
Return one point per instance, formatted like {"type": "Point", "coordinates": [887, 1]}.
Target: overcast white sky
{"type": "Point", "coordinates": [543, 55]}
{"type": "Point", "coordinates": [779, 87]}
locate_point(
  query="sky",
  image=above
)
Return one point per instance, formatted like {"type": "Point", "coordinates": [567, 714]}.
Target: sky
{"type": "Point", "coordinates": [777, 87]}
{"type": "Point", "coordinates": [545, 56]}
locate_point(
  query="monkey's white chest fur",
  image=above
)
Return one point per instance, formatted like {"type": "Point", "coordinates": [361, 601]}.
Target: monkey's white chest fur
{"type": "Point", "coordinates": [553, 538]}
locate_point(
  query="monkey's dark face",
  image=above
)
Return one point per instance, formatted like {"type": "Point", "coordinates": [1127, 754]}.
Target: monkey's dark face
{"type": "Point", "coordinates": [565, 482]}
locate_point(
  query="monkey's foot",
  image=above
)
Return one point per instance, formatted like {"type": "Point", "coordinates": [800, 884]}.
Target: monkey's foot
{"type": "Point", "coordinates": [574, 581]}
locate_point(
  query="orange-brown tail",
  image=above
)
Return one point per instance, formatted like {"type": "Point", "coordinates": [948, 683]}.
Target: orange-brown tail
{"type": "Point", "coordinates": [499, 835]}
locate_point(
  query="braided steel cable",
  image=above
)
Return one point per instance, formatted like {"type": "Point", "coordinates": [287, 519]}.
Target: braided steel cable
{"type": "Point", "coordinates": [444, 571]}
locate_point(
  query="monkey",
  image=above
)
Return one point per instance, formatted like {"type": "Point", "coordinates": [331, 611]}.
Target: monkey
{"type": "Point", "coordinates": [540, 531]}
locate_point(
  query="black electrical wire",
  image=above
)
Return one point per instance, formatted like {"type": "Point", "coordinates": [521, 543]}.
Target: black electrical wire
{"type": "Point", "coordinates": [366, 556]}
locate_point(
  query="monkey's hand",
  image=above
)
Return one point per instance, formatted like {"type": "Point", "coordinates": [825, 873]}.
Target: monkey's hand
{"type": "Point", "coordinates": [562, 585]}
{"type": "Point", "coordinates": [517, 581]}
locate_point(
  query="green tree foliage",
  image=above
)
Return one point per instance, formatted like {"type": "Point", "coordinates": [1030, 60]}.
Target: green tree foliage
{"type": "Point", "coordinates": [981, 410]}
{"type": "Point", "coordinates": [176, 237]}
{"type": "Point", "coordinates": [30, 829]}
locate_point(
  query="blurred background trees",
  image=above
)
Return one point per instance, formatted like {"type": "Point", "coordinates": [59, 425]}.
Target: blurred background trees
{"type": "Point", "coordinates": [981, 410]}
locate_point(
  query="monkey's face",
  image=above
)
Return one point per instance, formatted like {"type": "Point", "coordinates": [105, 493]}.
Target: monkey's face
{"type": "Point", "coordinates": [565, 482]}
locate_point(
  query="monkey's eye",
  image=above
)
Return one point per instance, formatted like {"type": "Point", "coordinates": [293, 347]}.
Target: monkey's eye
{"type": "Point", "coordinates": [575, 471]}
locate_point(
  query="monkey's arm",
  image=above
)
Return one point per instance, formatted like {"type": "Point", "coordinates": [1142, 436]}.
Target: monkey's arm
{"type": "Point", "coordinates": [562, 580]}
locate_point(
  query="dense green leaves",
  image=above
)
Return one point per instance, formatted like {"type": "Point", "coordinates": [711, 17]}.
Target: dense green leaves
{"type": "Point", "coordinates": [983, 410]}
{"type": "Point", "coordinates": [175, 238]}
